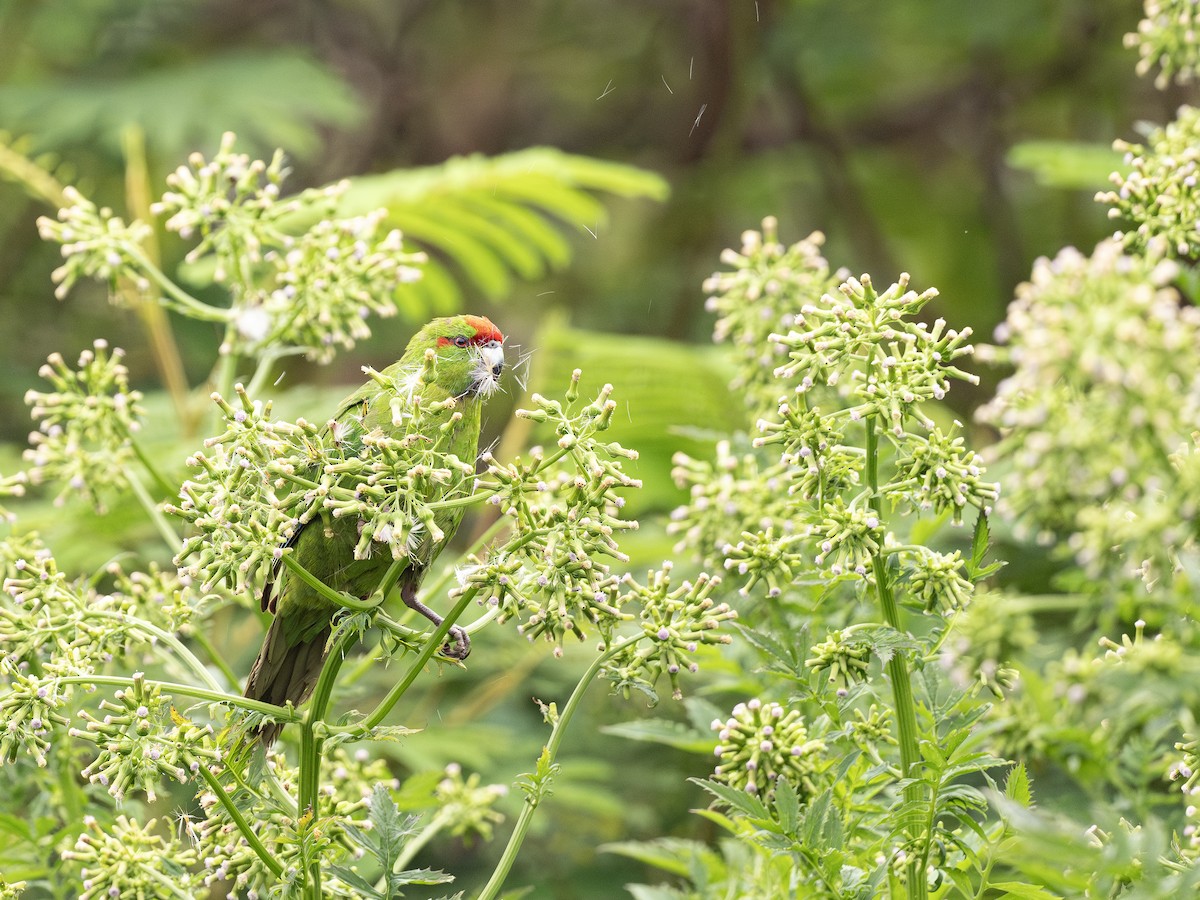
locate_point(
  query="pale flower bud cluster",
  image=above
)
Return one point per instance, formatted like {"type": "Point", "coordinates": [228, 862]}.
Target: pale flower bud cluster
{"type": "Point", "coordinates": [758, 295]}
{"type": "Point", "coordinates": [30, 708]}
{"type": "Point", "coordinates": [675, 622]}
{"type": "Point", "coordinates": [1168, 36]}
{"type": "Point", "coordinates": [565, 506]}
{"type": "Point", "coordinates": [85, 423]}
{"type": "Point", "coordinates": [761, 744]}
{"type": "Point", "coordinates": [936, 580]}
{"type": "Point", "coordinates": [939, 472]}
{"type": "Point", "coordinates": [1081, 377]}
{"type": "Point", "coordinates": [867, 346]}
{"type": "Point", "coordinates": [468, 806]}
{"type": "Point", "coordinates": [132, 860]}
{"type": "Point", "coordinates": [843, 657]}
{"type": "Point", "coordinates": [728, 497]}
{"type": "Point", "coordinates": [236, 505]}
{"type": "Point", "coordinates": [95, 243]}
{"type": "Point", "coordinates": [136, 747]}
{"type": "Point", "coordinates": [325, 285]}
{"type": "Point", "coordinates": [1159, 197]}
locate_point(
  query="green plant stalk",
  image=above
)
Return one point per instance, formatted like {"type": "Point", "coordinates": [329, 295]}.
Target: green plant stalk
{"type": "Point", "coordinates": [897, 668]}
{"type": "Point", "coordinates": [431, 646]}
{"type": "Point", "coordinates": [163, 485]}
{"type": "Point", "coordinates": [198, 635]}
{"type": "Point", "coordinates": [240, 821]}
{"type": "Point", "coordinates": [521, 828]}
{"type": "Point", "coordinates": [149, 310]}
{"type": "Point", "coordinates": [311, 743]}
{"type": "Point", "coordinates": [343, 600]}
{"type": "Point", "coordinates": [166, 532]}
{"type": "Point", "coordinates": [281, 713]}
{"type": "Point", "coordinates": [181, 651]}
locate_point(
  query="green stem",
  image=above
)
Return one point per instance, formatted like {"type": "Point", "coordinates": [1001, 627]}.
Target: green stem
{"type": "Point", "coordinates": [197, 635]}
{"type": "Point", "coordinates": [897, 669]}
{"type": "Point", "coordinates": [434, 642]}
{"type": "Point", "coordinates": [184, 302]}
{"type": "Point", "coordinates": [240, 821]}
{"type": "Point", "coordinates": [344, 600]}
{"type": "Point", "coordinates": [182, 652]}
{"type": "Point", "coordinates": [173, 540]}
{"type": "Point", "coordinates": [532, 800]}
{"type": "Point", "coordinates": [311, 741]}
{"type": "Point", "coordinates": [163, 485]}
{"type": "Point", "coordinates": [282, 713]}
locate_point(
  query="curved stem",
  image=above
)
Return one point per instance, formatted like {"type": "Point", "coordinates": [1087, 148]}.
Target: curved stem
{"type": "Point", "coordinates": [239, 820]}
{"type": "Point", "coordinates": [159, 634]}
{"type": "Point", "coordinates": [184, 302]}
{"type": "Point", "coordinates": [343, 600]}
{"type": "Point", "coordinates": [533, 799]}
{"type": "Point", "coordinates": [163, 485]}
{"type": "Point", "coordinates": [281, 713]}
{"type": "Point", "coordinates": [218, 660]}
{"type": "Point", "coordinates": [431, 646]}
{"type": "Point", "coordinates": [166, 532]}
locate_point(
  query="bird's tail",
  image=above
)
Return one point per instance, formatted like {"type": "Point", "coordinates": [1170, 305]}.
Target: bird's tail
{"type": "Point", "coordinates": [285, 671]}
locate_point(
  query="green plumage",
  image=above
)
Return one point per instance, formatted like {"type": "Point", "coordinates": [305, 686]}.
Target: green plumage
{"type": "Point", "coordinates": [468, 362]}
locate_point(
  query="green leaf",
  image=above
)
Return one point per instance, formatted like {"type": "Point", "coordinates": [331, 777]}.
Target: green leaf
{"type": "Point", "coordinates": [1074, 165]}
{"type": "Point", "coordinates": [670, 734]}
{"type": "Point", "coordinates": [270, 98]}
{"type": "Point", "coordinates": [736, 799]}
{"type": "Point", "coordinates": [1017, 787]}
{"type": "Point", "coordinates": [352, 879]}
{"type": "Point", "coordinates": [673, 855]}
{"type": "Point", "coordinates": [787, 807]}
{"type": "Point", "coordinates": [491, 219]}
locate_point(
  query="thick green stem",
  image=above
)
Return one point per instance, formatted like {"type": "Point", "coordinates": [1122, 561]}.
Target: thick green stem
{"type": "Point", "coordinates": [344, 600]}
{"type": "Point", "coordinates": [280, 713]}
{"type": "Point", "coordinates": [312, 737]}
{"type": "Point", "coordinates": [240, 821]}
{"type": "Point", "coordinates": [431, 646]}
{"type": "Point", "coordinates": [532, 800]}
{"type": "Point", "coordinates": [897, 670]}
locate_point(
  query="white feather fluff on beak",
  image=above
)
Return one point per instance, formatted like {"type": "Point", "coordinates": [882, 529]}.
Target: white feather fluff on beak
{"type": "Point", "coordinates": [488, 366]}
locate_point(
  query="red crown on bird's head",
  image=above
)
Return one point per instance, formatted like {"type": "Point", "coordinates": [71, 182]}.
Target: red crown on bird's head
{"type": "Point", "coordinates": [485, 330]}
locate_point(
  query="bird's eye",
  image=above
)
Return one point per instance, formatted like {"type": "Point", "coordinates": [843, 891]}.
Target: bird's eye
{"type": "Point", "coordinates": [461, 341]}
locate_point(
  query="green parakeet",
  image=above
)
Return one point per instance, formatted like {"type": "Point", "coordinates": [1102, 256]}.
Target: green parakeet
{"type": "Point", "coordinates": [469, 359]}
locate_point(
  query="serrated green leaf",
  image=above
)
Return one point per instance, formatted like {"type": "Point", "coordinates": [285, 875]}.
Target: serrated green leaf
{"type": "Point", "coordinates": [1017, 787]}
{"type": "Point", "coordinates": [739, 800]}
{"type": "Point", "coordinates": [787, 807]}
{"type": "Point", "coordinates": [355, 881]}
{"type": "Point", "coordinates": [419, 876]}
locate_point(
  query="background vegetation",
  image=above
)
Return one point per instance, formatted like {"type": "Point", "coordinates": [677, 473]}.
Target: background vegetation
{"type": "Point", "coordinates": [913, 135]}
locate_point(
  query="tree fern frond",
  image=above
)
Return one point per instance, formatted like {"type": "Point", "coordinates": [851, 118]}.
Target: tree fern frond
{"type": "Point", "coordinates": [492, 218]}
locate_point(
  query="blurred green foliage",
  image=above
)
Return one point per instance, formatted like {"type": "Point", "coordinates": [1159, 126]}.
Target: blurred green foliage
{"type": "Point", "coordinates": [915, 135]}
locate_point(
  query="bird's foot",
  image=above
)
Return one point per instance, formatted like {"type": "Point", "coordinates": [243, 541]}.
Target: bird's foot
{"type": "Point", "coordinates": [459, 645]}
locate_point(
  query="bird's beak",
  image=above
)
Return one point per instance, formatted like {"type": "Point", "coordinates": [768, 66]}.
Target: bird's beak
{"type": "Point", "coordinates": [493, 357]}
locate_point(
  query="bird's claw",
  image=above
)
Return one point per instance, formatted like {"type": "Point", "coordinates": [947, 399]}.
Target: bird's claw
{"type": "Point", "coordinates": [459, 646]}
